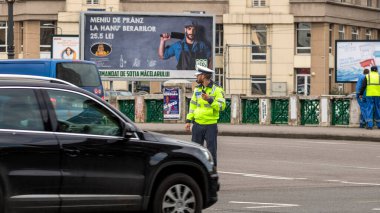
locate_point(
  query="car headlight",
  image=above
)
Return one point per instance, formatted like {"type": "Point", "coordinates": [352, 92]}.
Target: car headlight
{"type": "Point", "coordinates": [208, 156]}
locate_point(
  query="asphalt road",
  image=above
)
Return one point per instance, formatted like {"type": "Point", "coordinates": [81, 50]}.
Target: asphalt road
{"type": "Point", "coordinates": [297, 175]}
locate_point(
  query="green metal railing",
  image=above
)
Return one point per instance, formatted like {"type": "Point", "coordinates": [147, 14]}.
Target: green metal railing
{"type": "Point", "coordinates": [310, 112]}
{"type": "Point", "coordinates": [154, 110]}
{"type": "Point", "coordinates": [127, 107]}
{"type": "Point", "coordinates": [340, 112]}
{"type": "Point", "coordinates": [225, 116]}
{"type": "Point", "coordinates": [250, 111]}
{"type": "Point", "coordinates": [279, 113]}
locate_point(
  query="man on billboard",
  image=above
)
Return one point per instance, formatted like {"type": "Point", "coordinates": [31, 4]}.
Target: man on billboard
{"type": "Point", "coordinates": [189, 52]}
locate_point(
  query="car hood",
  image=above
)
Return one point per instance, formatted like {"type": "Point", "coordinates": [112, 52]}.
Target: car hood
{"type": "Point", "coordinates": [162, 138]}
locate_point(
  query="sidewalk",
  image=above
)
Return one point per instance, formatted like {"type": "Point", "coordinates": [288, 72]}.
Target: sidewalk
{"type": "Point", "coordinates": [275, 131]}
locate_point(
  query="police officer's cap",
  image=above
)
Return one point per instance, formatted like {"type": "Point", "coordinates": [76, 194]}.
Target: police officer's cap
{"type": "Point", "coordinates": [374, 68]}
{"type": "Point", "coordinates": [203, 70]}
{"type": "Point", "coordinates": [190, 23]}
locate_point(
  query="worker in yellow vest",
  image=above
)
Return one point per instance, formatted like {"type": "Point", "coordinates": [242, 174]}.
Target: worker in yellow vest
{"type": "Point", "coordinates": [371, 84]}
{"type": "Point", "coordinates": [205, 105]}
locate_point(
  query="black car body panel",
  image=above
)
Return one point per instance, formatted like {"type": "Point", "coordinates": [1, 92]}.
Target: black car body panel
{"type": "Point", "coordinates": [86, 167]}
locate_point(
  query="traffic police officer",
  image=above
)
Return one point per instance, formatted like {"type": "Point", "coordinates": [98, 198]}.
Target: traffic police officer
{"type": "Point", "coordinates": [371, 84]}
{"type": "Point", "coordinates": [206, 103]}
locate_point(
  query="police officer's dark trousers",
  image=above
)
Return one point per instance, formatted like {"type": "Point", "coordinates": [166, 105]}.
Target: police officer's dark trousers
{"type": "Point", "coordinates": [207, 132]}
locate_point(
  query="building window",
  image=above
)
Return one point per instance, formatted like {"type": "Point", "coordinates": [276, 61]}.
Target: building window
{"type": "Point", "coordinates": [369, 3]}
{"type": "Point", "coordinates": [258, 85]}
{"type": "Point", "coordinates": [378, 4]}
{"type": "Point", "coordinates": [355, 33]}
{"type": "Point", "coordinates": [3, 36]}
{"type": "Point", "coordinates": [368, 34]}
{"type": "Point", "coordinates": [341, 32]}
{"type": "Point", "coordinates": [303, 37]}
{"type": "Point", "coordinates": [92, 1]}
{"type": "Point", "coordinates": [219, 77]}
{"type": "Point", "coordinates": [303, 81]}
{"type": "Point", "coordinates": [46, 30]}
{"type": "Point", "coordinates": [219, 39]}
{"type": "Point", "coordinates": [331, 26]}
{"type": "Point", "coordinates": [259, 42]}
{"type": "Point", "coordinates": [258, 3]}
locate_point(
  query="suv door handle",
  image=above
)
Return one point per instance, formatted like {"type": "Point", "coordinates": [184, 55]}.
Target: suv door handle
{"type": "Point", "coordinates": [72, 152]}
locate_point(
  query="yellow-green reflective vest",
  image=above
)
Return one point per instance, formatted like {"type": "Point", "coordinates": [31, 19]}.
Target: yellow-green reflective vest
{"type": "Point", "coordinates": [373, 84]}
{"type": "Point", "coordinates": [201, 111]}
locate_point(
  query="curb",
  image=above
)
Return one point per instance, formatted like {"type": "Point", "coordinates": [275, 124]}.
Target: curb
{"type": "Point", "coordinates": [279, 135]}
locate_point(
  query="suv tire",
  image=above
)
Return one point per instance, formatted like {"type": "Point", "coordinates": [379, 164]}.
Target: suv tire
{"type": "Point", "coordinates": [178, 193]}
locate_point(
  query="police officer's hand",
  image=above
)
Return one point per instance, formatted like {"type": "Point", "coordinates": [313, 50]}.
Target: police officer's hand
{"type": "Point", "coordinates": [205, 96]}
{"type": "Point", "coordinates": [361, 97]}
{"type": "Point", "coordinates": [165, 36]}
{"type": "Point", "coordinates": [187, 127]}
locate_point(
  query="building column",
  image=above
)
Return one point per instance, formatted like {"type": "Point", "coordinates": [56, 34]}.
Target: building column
{"type": "Point", "coordinates": [319, 59]}
{"type": "Point", "coordinates": [31, 36]}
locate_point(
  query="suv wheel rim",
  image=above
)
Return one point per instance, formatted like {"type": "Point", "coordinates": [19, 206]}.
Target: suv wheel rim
{"type": "Point", "coordinates": [179, 199]}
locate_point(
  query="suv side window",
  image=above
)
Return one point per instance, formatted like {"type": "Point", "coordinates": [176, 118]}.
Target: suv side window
{"type": "Point", "coordinates": [80, 114]}
{"type": "Point", "coordinates": [19, 110]}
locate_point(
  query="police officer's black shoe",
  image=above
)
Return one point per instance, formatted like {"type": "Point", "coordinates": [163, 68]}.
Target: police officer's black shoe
{"type": "Point", "coordinates": [369, 128]}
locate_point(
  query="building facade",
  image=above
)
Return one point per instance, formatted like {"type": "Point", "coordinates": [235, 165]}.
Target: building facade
{"type": "Point", "coordinates": [262, 47]}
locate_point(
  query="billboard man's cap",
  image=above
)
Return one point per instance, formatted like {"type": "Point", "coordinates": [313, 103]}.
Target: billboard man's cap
{"type": "Point", "coordinates": [203, 70]}
{"type": "Point", "coordinates": [190, 23]}
{"type": "Point", "coordinates": [374, 68]}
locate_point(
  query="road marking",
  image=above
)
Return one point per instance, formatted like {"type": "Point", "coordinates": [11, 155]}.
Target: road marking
{"type": "Point", "coordinates": [322, 142]}
{"type": "Point", "coordinates": [262, 176]}
{"type": "Point", "coordinates": [354, 183]}
{"type": "Point", "coordinates": [264, 205]}
{"type": "Point", "coordinates": [327, 164]}
{"type": "Point", "coordinates": [376, 209]}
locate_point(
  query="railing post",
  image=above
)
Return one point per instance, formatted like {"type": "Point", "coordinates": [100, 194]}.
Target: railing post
{"type": "Point", "coordinates": [354, 112]}
{"type": "Point", "coordinates": [265, 108]}
{"type": "Point", "coordinates": [140, 109]}
{"type": "Point", "coordinates": [294, 110]}
{"type": "Point", "coordinates": [325, 111]}
{"type": "Point", "coordinates": [235, 109]}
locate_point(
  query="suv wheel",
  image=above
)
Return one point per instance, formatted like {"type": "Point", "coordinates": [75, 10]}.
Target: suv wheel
{"type": "Point", "coordinates": [178, 193]}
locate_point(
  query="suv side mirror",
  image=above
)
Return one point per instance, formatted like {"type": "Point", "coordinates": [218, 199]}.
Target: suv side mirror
{"type": "Point", "coordinates": [129, 134]}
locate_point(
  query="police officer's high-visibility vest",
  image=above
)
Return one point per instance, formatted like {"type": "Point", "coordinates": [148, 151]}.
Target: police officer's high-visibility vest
{"type": "Point", "coordinates": [201, 111]}
{"type": "Point", "coordinates": [373, 84]}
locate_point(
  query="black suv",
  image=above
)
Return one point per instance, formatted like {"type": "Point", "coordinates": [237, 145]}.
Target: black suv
{"type": "Point", "coordinates": [63, 149]}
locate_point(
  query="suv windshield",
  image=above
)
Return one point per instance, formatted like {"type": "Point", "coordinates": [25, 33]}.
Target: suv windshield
{"type": "Point", "coordinates": [80, 74]}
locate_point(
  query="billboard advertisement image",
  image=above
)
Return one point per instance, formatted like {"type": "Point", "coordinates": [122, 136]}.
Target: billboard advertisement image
{"type": "Point", "coordinates": [172, 103]}
{"type": "Point", "coordinates": [147, 46]}
{"type": "Point", "coordinates": [352, 57]}
{"type": "Point", "coordinates": [65, 47]}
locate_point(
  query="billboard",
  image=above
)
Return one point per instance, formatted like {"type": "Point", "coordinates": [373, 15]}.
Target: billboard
{"type": "Point", "coordinates": [352, 57]}
{"type": "Point", "coordinates": [65, 47]}
{"type": "Point", "coordinates": [154, 47]}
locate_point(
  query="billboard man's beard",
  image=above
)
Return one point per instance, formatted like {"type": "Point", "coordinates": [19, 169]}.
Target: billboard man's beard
{"type": "Point", "coordinates": [190, 37]}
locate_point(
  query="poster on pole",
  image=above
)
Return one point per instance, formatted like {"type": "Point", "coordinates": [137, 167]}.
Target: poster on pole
{"type": "Point", "coordinates": [65, 47]}
{"type": "Point", "coordinates": [172, 103]}
{"type": "Point", "coordinates": [148, 47]}
{"type": "Point", "coordinates": [353, 56]}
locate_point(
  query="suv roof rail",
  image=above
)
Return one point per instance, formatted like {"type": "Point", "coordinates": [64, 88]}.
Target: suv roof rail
{"type": "Point", "coordinates": [34, 77]}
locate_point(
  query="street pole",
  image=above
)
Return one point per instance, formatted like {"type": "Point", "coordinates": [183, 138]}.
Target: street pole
{"type": "Point", "coordinates": [10, 40]}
